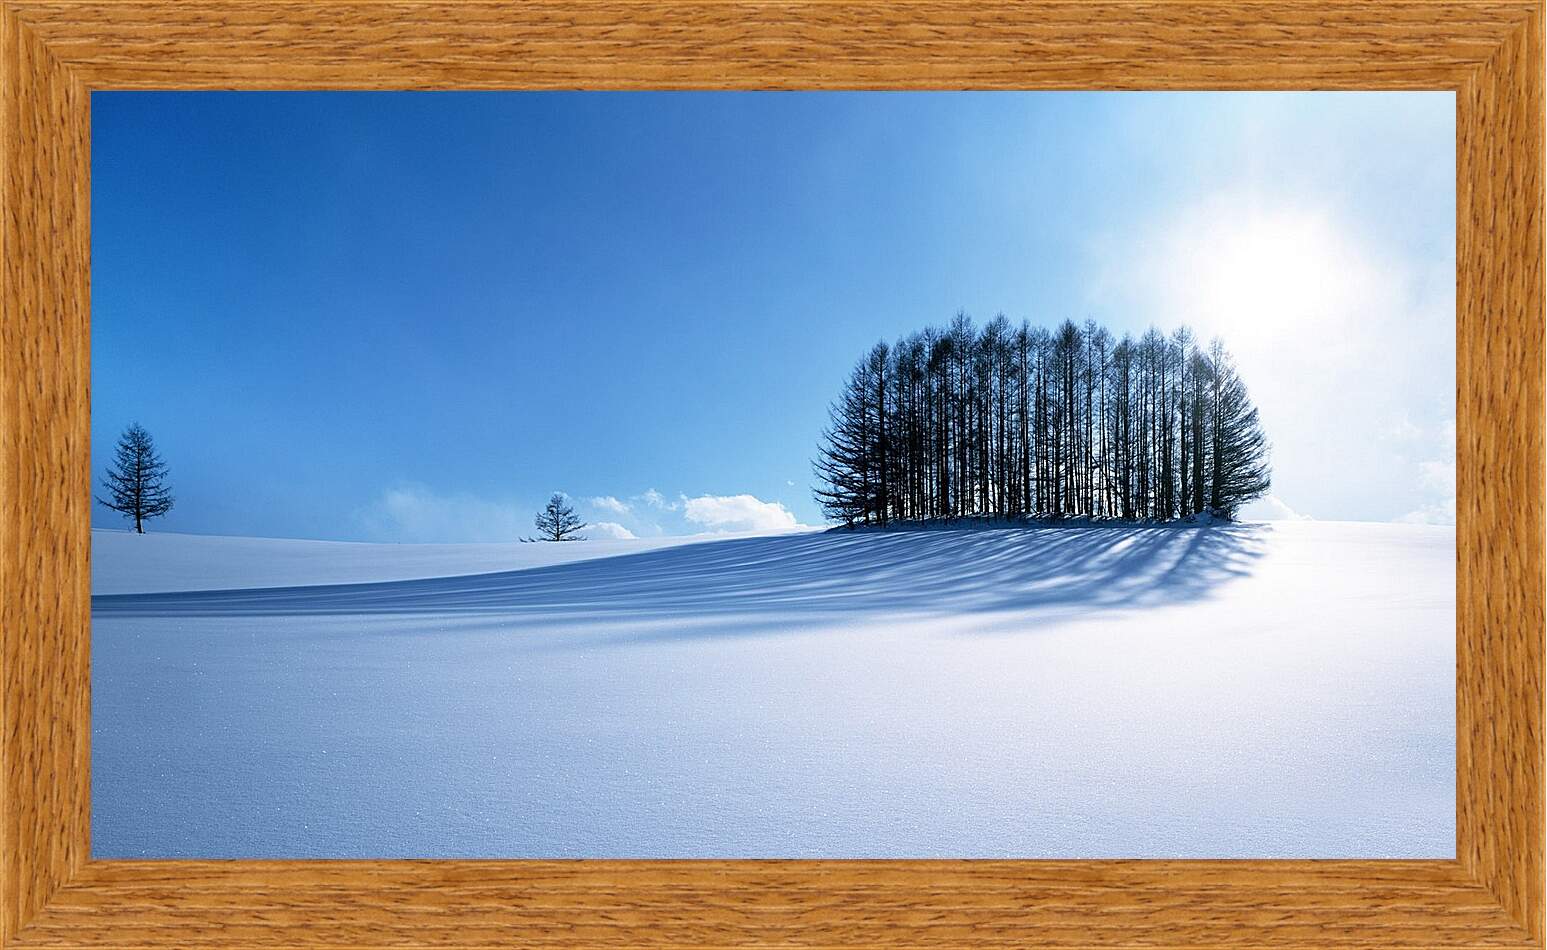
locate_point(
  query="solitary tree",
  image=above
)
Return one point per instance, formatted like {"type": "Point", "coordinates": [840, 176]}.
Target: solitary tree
{"type": "Point", "coordinates": [558, 521]}
{"type": "Point", "coordinates": [136, 481]}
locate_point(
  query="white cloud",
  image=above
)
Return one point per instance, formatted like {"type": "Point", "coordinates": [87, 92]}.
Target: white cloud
{"type": "Point", "coordinates": [737, 513]}
{"type": "Point", "coordinates": [417, 514]}
{"type": "Point", "coordinates": [1403, 430]}
{"type": "Point", "coordinates": [1438, 476]}
{"type": "Point", "coordinates": [1439, 513]}
{"type": "Point", "coordinates": [653, 514]}
{"type": "Point", "coordinates": [1271, 508]}
{"type": "Point", "coordinates": [609, 503]}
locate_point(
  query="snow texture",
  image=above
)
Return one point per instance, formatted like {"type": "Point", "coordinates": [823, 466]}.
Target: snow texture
{"type": "Point", "coordinates": [127, 563]}
{"type": "Point", "coordinates": [1260, 691]}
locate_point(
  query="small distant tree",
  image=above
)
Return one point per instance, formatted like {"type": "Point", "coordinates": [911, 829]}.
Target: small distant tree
{"type": "Point", "coordinates": [558, 521]}
{"type": "Point", "coordinates": [136, 480]}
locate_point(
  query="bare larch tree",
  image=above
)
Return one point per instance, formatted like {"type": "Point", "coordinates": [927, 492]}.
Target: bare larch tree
{"type": "Point", "coordinates": [558, 521]}
{"type": "Point", "coordinates": [136, 480]}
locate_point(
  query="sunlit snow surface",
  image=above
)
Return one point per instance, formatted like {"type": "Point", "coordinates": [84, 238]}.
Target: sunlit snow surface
{"type": "Point", "coordinates": [1281, 690]}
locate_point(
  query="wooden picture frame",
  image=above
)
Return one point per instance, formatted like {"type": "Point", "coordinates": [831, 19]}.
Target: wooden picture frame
{"type": "Point", "coordinates": [55, 52]}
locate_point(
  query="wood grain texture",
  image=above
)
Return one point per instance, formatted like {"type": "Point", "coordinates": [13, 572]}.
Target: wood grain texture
{"type": "Point", "coordinates": [895, 904]}
{"type": "Point", "coordinates": [774, 44]}
{"type": "Point", "coordinates": [1490, 53]}
{"type": "Point", "coordinates": [1499, 474]}
{"type": "Point", "coordinates": [44, 493]}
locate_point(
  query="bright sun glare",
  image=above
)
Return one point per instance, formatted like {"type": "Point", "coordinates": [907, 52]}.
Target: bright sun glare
{"type": "Point", "coordinates": [1267, 278]}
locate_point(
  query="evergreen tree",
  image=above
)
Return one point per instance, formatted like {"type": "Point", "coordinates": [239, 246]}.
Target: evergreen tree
{"type": "Point", "coordinates": [1240, 449]}
{"type": "Point", "coordinates": [558, 521]}
{"type": "Point", "coordinates": [136, 480]}
{"type": "Point", "coordinates": [846, 463]}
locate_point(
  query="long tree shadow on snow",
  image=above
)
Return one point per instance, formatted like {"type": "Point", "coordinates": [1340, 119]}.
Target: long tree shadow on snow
{"type": "Point", "coordinates": [786, 580]}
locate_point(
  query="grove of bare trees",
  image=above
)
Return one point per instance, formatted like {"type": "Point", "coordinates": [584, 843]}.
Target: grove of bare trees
{"type": "Point", "coordinates": [1022, 422]}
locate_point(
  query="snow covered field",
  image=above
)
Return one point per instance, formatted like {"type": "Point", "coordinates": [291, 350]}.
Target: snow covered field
{"type": "Point", "coordinates": [1282, 690]}
{"type": "Point", "coordinates": [127, 563]}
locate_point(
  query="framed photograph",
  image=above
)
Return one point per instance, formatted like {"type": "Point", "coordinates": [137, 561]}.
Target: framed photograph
{"type": "Point", "coordinates": [772, 474]}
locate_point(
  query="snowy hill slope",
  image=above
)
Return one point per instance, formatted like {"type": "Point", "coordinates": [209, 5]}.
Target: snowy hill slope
{"type": "Point", "coordinates": [1249, 691]}
{"type": "Point", "coordinates": [124, 562]}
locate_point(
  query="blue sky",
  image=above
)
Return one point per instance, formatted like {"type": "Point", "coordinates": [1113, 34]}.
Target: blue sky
{"type": "Point", "coordinates": [412, 316]}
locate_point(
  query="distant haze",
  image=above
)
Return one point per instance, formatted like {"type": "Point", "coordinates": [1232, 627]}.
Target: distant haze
{"type": "Point", "coordinates": [414, 316]}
